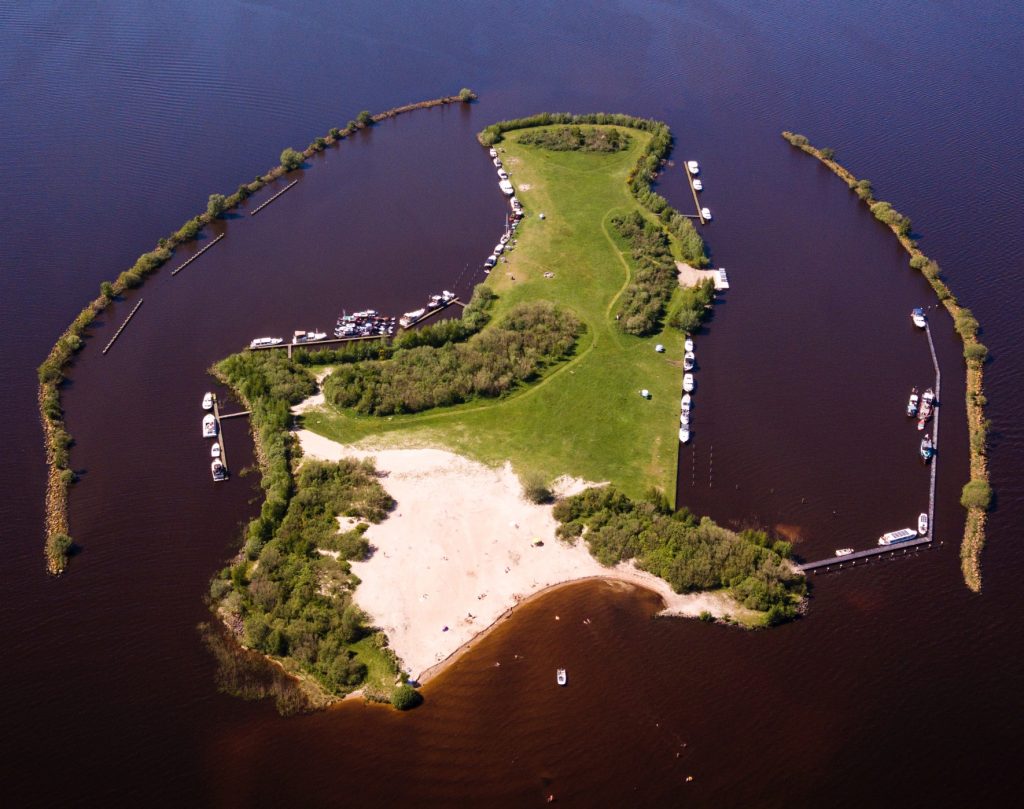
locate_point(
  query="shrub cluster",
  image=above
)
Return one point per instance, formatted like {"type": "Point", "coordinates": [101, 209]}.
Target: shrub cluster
{"type": "Point", "coordinates": [511, 352]}
{"type": "Point", "coordinates": [689, 554]}
{"type": "Point", "coordinates": [577, 139]}
{"type": "Point", "coordinates": [654, 276]}
{"type": "Point", "coordinates": [296, 602]}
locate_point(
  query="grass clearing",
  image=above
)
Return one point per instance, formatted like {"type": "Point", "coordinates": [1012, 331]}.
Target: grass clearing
{"type": "Point", "coordinates": [585, 417]}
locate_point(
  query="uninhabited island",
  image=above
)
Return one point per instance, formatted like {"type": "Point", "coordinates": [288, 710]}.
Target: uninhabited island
{"type": "Point", "coordinates": [977, 492]}
{"type": "Point", "coordinates": [437, 480]}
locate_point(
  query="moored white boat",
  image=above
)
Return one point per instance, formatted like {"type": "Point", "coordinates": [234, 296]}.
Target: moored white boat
{"type": "Point", "coordinates": [922, 524]}
{"type": "Point", "coordinates": [688, 382]}
{"type": "Point", "coordinates": [688, 345]}
{"type": "Point", "coordinates": [410, 318]}
{"type": "Point", "coordinates": [895, 537]}
{"type": "Point", "coordinates": [706, 213]}
{"type": "Point", "coordinates": [263, 342]}
{"type": "Point", "coordinates": [684, 435]}
{"type": "Point", "coordinates": [689, 359]}
{"type": "Point", "coordinates": [844, 551]}
{"type": "Point", "coordinates": [927, 448]}
{"type": "Point", "coordinates": [561, 677]}
{"type": "Point", "coordinates": [209, 426]}
{"type": "Point", "coordinates": [493, 152]}
{"type": "Point", "coordinates": [685, 402]}
{"type": "Point", "coordinates": [927, 406]}
{"type": "Point", "coordinates": [217, 470]}
{"type": "Point", "coordinates": [215, 449]}
{"type": "Point", "coordinates": [693, 166]}
{"type": "Point", "coordinates": [918, 317]}
{"type": "Point", "coordinates": [684, 419]}
{"type": "Point", "coordinates": [697, 184]}
{"type": "Point", "coordinates": [912, 403]}
{"type": "Point", "coordinates": [506, 188]}
{"type": "Point", "coordinates": [208, 401]}
{"type": "Point", "coordinates": [307, 336]}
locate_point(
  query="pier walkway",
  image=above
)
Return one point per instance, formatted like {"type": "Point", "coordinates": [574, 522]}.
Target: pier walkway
{"type": "Point", "coordinates": [838, 562]}
{"type": "Point", "coordinates": [220, 434]}
{"type": "Point", "coordinates": [689, 181]}
{"type": "Point", "coordinates": [185, 263]}
{"type": "Point", "coordinates": [259, 208]}
{"type": "Point", "coordinates": [117, 333]}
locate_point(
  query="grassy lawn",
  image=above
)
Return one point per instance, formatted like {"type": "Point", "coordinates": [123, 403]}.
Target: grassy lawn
{"type": "Point", "coordinates": [586, 417]}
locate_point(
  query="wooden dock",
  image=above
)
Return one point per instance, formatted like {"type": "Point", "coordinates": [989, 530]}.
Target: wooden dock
{"type": "Point", "coordinates": [120, 329]}
{"type": "Point", "coordinates": [259, 208]}
{"type": "Point", "coordinates": [220, 433]}
{"type": "Point", "coordinates": [237, 415]}
{"type": "Point", "coordinates": [185, 263]}
{"type": "Point", "coordinates": [838, 562]}
{"type": "Point", "coordinates": [689, 182]}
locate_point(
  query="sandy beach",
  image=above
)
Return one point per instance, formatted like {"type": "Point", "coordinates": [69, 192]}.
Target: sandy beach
{"type": "Point", "coordinates": [691, 276]}
{"type": "Point", "coordinates": [459, 551]}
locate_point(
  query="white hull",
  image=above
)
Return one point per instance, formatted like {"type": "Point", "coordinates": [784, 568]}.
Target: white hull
{"type": "Point", "coordinates": [688, 382]}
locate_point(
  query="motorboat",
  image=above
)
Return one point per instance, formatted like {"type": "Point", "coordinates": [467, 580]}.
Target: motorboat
{"type": "Point", "coordinates": [215, 449]}
{"type": "Point", "coordinates": [561, 677]}
{"type": "Point", "coordinates": [912, 403]}
{"type": "Point", "coordinates": [502, 174]}
{"type": "Point", "coordinates": [504, 238]}
{"type": "Point", "coordinates": [506, 188]}
{"type": "Point", "coordinates": [493, 152]}
{"type": "Point", "coordinates": [922, 524]}
{"type": "Point", "coordinates": [307, 336]}
{"type": "Point", "coordinates": [688, 382]}
{"type": "Point", "coordinates": [684, 418]}
{"type": "Point", "coordinates": [697, 184]}
{"type": "Point", "coordinates": [706, 213]}
{"type": "Point", "coordinates": [499, 248]}
{"type": "Point", "coordinates": [693, 167]}
{"type": "Point", "coordinates": [918, 317]}
{"type": "Point", "coordinates": [491, 261]}
{"type": "Point", "coordinates": [266, 342]}
{"type": "Point", "coordinates": [684, 403]}
{"type": "Point", "coordinates": [217, 470]}
{"type": "Point", "coordinates": [209, 426]}
{"type": "Point", "coordinates": [409, 318]}
{"type": "Point", "coordinates": [688, 345]}
{"type": "Point", "coordinates": [208, 401]}
{"type": "Point", "coordinates": [844, 551]}
{"type": "Point", "coordinates": [927, 406]}
{"type": "Point", "coordinates": [497, 163]}
{"type": "Point", "coordinates": [684, 435]}
{"type": "Point", "coordinates": [688, 361]}
{"type": "Point", "coordinates": [896, 537]}
{"type": "Point", "coordinates": [927, 448]}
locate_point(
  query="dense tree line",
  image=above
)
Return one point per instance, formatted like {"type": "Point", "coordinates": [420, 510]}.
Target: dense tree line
{"type": "Point", "coordinates": [296, 602]}
{"type": "Point", "coordinates": [690, 554]}
{"type": "Point", "coordinates": [576, 139]}
{"type": "Point", "coordinates": [654, 276]}
{"type": "Point", "coordinates": [515, 350]}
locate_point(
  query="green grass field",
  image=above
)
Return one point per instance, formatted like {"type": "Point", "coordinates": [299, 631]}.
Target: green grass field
{"type": "Point", "coordinates": [585, 417]}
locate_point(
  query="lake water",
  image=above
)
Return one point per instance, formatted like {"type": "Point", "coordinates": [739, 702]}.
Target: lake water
{"type": "Point", "coordinates": [899, 687]}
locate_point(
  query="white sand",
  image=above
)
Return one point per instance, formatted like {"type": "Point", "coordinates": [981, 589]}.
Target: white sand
{"type": "Point", "coordinates": [691, 276]}
{"type": "Point", "coordinates": [456, 552]}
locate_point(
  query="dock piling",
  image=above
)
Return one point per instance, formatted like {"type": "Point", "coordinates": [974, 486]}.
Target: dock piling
{"type": "Point", "coordinates": [120, 329]}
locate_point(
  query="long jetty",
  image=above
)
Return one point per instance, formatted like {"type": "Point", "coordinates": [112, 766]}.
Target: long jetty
{"type": "Point", "coordinates": [220, 433]}
{"type": "Point", "coordinates": [259, 208]}
{"type": "Point", "coordinates": [120, 329]}
{"type": "Point", "coordinates": [185, 263]}
{"type": "Point", "coordinates": [838, 562]}
{"type": "Point", "coordinates": [689, 181]}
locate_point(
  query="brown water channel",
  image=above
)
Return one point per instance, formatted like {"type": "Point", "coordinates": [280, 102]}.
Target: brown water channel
{"type": "Point", "coordinates": [899, 686]}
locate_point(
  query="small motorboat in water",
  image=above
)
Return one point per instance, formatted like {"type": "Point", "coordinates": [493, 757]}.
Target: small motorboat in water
{"type": "Point", "coordinates": [684, 435]}
{"type": "Point", "coordinates": [927, 406]}
{"type": "Point", "coordinates": [912, 403]}
{"type": "Point", "coordinates": [217, 470]}
{"type": "Point", "coordinates": [918, 317]}
{"type": "Point", "coordinates": [688, 345]}
{"type": "Point", "coordinates": [693, 166]}
{"type": "Point", "coordinates": [561, 677]}
{"type": "Point", "coordinates": [209, 426]}
{"type": "Point", "coordinates": [844, 551]}
{"type": "Point", "coordinates": [922, 524]}
{"type": "Point", "coordinates": [685, 402]}
{"type": "Point", "coordinates": [265, 342]}
{"type": "Point", "coordinates": [688, 361]}
{"type": "Point", "coordinates": [927, 448]}
{"type": "Point", "coordinates": [215, 449]}
{"type": "Point", "coordinates": [706, 213]}
{"type": "Point", "coordinates": [697, 184]}
{"type": "Point", "coordinates": [688, 382]}
{"type": "Point", "coordinates": [208, 401]}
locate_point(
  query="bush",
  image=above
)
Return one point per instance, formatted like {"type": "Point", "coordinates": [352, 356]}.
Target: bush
{"type": "Point", "coordinates": [406, 698]}
{"type": "Point", "coordinates": [536, 489]}
{"type": "Point", "coordinates": [335, 132]}
{"type": "Point", "coordinates": [107, 290]}
{"type": "Point", "coordinates": [216, 205]}
{"type": "Point", "coordinates": [466, 95]}
{"type": "Point", "coordinates": [575, 138]}
{"type": "Point", "coordinates": [918, 262]}
{"type": "Point", "coordinates": [707, 617]}
{"type": "Point", "coordinates": [827, 154]}
{"type": "Point", "coordinates": [966, 324]}
{"type": "Point", "coordinates": [976, 494]}
{"type": "Point", "coordinates": [364, 118]}
{"type": "Point", "coordinates": [975, 352]}
{"type": "Point", "coordinates": [318, 144]}
{"type": "Point", "coordinates": [58, 546]}
{"type": "Point", "coordinates": [291, 159]}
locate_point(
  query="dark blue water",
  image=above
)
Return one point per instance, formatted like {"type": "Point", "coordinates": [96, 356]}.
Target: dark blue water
{"type": "Point", "coordinates": [119, 120]}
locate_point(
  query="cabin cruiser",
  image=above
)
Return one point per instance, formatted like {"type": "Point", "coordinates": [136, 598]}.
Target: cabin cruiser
{"type": "Point", "coordinates": [497, 163]}
{"type": "Point", "coordinates": [491, 261]}
{"type": "Point", "coordinates": [217, 470]}
{"type": "Point", "coordinates": [693, 167]}
{"type": "Point", "coordinates": [697, 184]}
{"type": "Point", "coordinates": [307, 336]}
{"type": "Point", "coordinates": [208, 401]}
{"type": "Point", "coordinates": [927, 448]}
{"type": "Point", "coordinates": [215, 449]}
{"type": "Point", "coordinates": [922, 524]}
{"type": "Point", "coordinates": [688, 345]}
{"type": "Point", "coordinates": [264, 342]}
{"type": "Point", "coordinates": [561, 677]}
{"type": "Point", "coordinates": [684, 418]}
{"type": "Point", "coordinates": [504, 238]}
{"type": "Point", "coordinates": [706, 213]}
{"type": "Point", "coordinates": [912, 403]}
{"type": "Point", "coordinates": [895, 537]}
{"type": "Point", "coordinates": [499, 249]}
{"type": "Point", "coordinates": [409, 318]}
{"type": "Point", "coordinates": [684, 403]}
{"type": "Point", "coordinates": [506, 187]}
{"type": "Point", "coordinates": [684, 435]}
{"type": "Point", "coordinates": [209, 426]}
{"type": "Point", "coordinates": [844, 551]}
{"type": "Point", "coordinates": [502, 174]}
{"type": "Point", "coordinates": [927, 406]}
{"type": "Point", "coordinates": [688, 361]}
{"type": "Point", "coordinates": [688, 382]}
{"type": "Point", "coordinates": [493, 152]}
{"type": "Point", "coordinates": [918, 317]}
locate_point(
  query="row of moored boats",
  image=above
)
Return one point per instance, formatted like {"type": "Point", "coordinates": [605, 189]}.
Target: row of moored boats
{"type": "Point", "coordinates": [685, 404]}
{"type": "Point", "coordinates": [217, 468]}
{"type": "Point", "coordinates": [698, 185]}
{"type": "Point", "coordinates": [514, 217]}
{"type": "Point", "coordinates": [435, 303]}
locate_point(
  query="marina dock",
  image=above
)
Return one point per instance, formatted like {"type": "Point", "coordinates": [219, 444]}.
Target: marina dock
{"type": "Point", "coordinates": [259, 208]}
{"type": "Point", "coordinates": [185, 263]}
{"type": "Point", "coordinates": [220, 433]}
{"type": "Point", "coordinates": [120, 329]}
{"type": "Point", "coordinates": [689, 182]}
{"type": "Point", "coordinates": [838, 562]}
